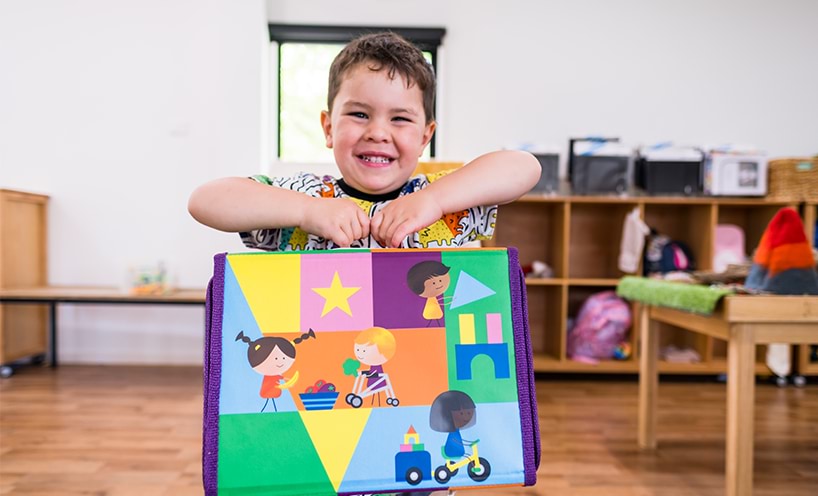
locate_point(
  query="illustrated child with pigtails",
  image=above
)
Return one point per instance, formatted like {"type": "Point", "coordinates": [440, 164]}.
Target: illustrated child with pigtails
{"type": "Point", "coordinates": [271, 357]}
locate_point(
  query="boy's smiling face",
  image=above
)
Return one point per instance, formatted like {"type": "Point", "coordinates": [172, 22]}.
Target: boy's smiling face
{"type": "Point", "coordinates": [377, 130]}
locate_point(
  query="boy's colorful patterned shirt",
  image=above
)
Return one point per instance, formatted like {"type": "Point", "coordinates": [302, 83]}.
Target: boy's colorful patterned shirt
{"type": "Point", "coordinates": [452, 230]}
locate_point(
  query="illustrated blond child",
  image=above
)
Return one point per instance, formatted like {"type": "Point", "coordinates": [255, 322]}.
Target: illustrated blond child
{"type": "Point", "coordinates": [373, 348]}
{"type": "Point", "coordinates": [378, 121]}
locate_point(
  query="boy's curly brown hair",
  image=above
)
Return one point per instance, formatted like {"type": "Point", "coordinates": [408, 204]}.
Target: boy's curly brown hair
{"type": "Point", "coordinates": [385, 51]}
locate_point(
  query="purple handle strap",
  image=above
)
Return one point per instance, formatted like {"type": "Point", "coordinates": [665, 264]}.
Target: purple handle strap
{"type": "Point", "coordinates": [214, 311]}
{"type": "Point", "coordinates": [529, 419]}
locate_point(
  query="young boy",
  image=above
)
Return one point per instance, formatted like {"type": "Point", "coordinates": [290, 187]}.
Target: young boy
{"type": "Point", "coordinates": [379, 120]}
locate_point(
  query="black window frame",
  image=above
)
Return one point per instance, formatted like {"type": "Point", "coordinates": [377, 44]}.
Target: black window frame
{"type": "Point", "coordinates": [427, 39]}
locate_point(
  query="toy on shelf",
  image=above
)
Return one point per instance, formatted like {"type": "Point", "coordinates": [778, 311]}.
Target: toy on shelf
{"type": "Point", "coordinates": [623, 351]}
{"type": "Point", "coordinates": [148, 280]}
{"type": "Point", "coordinates": [538, 270]}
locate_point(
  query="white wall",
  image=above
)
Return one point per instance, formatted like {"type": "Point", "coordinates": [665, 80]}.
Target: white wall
{"type": "Point", "coordinates": [117, 110]}
{"type": "Point", "coordinates": [538, 71]}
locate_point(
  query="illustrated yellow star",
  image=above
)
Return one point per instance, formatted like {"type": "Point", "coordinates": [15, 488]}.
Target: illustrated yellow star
{"type": "Point", "coordinates": [336, 296]}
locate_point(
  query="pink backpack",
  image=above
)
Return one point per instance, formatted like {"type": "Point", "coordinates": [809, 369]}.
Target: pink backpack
{"type": "Point", "coordinates": [728, 247]}
{"type": "Point", "coordinates": [601, 325]}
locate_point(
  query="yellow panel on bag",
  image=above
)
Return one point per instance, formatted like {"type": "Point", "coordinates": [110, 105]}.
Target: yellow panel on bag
{"type": "Point", "coordinates": [335, 435]}
{"type": "Point", "coordinates": [276, 307]}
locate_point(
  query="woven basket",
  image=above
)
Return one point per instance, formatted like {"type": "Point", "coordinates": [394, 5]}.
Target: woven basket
{"type": "Point", "coordinates": [793, 179]}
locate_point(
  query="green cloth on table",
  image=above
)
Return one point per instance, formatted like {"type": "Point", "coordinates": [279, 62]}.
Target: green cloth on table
{"type": "Point", "coordinates": [683, 296]}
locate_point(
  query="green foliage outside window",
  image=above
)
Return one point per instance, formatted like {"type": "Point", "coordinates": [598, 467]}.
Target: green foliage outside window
{"type": "Point", "coordinates": [303, 95]}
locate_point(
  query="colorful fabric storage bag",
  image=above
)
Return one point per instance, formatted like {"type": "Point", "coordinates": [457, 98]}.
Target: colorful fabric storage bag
{"type": "Point", "coordinates": [410, 351]}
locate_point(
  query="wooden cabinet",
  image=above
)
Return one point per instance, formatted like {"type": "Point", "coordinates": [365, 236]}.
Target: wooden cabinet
{"type": "Point", "coordinates": [807, 362]}
{"type": "Point", "coordinates": [579, 238]}
{"type": "Point", "coordinates": [22, 264]}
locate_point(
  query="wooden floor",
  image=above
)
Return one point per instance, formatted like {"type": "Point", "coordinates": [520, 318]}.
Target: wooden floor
{"type": "Point", "coordinates": [137, 431]}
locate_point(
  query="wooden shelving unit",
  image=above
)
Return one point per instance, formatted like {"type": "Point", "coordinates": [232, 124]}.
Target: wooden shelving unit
{"type": "Point", "coordinates": [579, 238]}
{"type": "Point", "coordinates": [23, 218]}
{"type": "Point", "coordinates": [806, 366]}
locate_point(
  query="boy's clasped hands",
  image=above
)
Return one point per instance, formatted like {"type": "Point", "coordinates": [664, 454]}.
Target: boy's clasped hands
{"type": "Point", "coordinates": [342, 221]}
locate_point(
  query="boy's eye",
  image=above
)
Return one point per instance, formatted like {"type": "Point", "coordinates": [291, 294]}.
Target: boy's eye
{"type": "Point", "coordinates": [359, 115]}
{"type": "Point", "coordinates": [402, 119]}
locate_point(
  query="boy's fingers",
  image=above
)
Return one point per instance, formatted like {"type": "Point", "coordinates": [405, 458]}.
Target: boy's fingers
{"type": "Point", "coordinates": [378, 227]}
{"type": "Point", "coordinates": [363, 220]}
{"type": "Point", "coordinates": [400, 232]}
{"type": "Point", "coordinates": [355, 228]}
{"type": "Point", "coordinates": [394, 225]}
{"type": "Point", "coordinates": [375, 225]}
{"type": "Point", "coordinates": [341, 238]}
{"type": "Point", "coordinates": [365, 229]}
{"type": "Point", "coordinates": [395, 241]}
{"type": "Point", "coordinates": [387, 232]}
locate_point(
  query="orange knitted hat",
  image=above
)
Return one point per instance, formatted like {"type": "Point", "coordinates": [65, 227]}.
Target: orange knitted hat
{"type": "Point", "coordinates": [784, 244]}
{"type": "Point", "coordinates": [783, 262]}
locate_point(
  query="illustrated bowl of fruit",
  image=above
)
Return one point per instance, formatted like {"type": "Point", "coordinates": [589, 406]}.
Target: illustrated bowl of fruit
{"type": "Point", "coordinates": [319, 396]}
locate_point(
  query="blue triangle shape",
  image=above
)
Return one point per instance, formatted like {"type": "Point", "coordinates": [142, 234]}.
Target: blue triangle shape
{"type": "Point", "coordinates": [239, 383]}
{"type": "Point", "coordinates": [469, 290]}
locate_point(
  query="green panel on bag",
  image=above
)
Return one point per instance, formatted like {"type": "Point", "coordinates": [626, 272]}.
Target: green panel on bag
{"type": "Point", "coordinates": [482, 279]}
{"type": "Point", "coordinates": [256, 456]}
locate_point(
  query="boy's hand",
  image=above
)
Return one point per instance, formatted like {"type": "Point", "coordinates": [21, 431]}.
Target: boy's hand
{"type": "Point", "coordinates": [404, 216]}
{"type": "Point", "coordinates": [337, 219]}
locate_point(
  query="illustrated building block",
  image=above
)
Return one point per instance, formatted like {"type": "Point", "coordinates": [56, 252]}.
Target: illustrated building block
{"type": "Point", "coordinates": [497, 352]}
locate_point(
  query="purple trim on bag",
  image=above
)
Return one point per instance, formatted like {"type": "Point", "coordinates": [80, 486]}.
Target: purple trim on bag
{"type": "Point", "coordinates": [214, 311]}
{"type": "Point", "coordinates": [524, 358]}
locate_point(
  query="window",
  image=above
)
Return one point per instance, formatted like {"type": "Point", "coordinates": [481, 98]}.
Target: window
{"type": "Point", "coordinates": [304, 54]}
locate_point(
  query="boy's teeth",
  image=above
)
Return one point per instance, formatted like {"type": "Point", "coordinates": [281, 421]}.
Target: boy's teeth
{"type": "Point", "coordinates": [379, 160]}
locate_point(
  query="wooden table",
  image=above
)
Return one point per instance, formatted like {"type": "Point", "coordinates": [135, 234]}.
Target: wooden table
{"type": "Point", "coordinates": [54, 295]}
{"type": "Point", "coordinates": [744, 322]}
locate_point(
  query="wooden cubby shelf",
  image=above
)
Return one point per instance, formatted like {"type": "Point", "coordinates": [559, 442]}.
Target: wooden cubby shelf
{"type": "Point", "coordinates": [23, 264]}
{"type": "Point", "coordinates": [579, 238]}
{"type": "Point", "coordinates": [806, 366]}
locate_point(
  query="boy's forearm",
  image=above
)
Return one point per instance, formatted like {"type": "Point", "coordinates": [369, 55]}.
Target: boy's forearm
{"type": "Point", "coordinates": [491, 179]}
{"type": "Point", "coordinates": [237, 204]}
